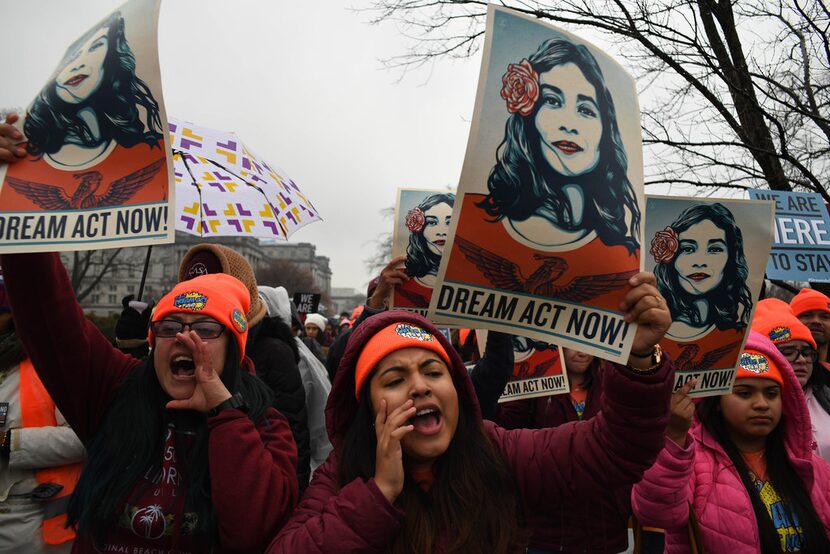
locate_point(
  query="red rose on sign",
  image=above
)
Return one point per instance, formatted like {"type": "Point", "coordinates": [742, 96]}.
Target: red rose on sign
{"type": "Point", "coordinates": [664, 245]}
{"type": "Point", "coordinates": [415, 220]}
{"type": "Point", "coordinates": [520, 88]}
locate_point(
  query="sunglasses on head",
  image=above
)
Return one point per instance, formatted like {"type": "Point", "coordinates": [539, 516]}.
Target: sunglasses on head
{"type": "Point", "coordinates": [168, 328]}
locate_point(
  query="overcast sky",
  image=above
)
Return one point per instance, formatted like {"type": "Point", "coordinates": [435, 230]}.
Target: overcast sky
{"type": "Point", "coordinates": [302, 85]}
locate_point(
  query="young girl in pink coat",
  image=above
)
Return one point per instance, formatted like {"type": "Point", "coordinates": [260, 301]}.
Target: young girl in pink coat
{"type": "Point", "coordinates": [746, 468]}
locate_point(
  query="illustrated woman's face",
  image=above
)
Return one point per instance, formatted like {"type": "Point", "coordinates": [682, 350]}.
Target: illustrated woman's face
{"type": "Point", "coordinates": [84, 71]}
{"type": "Point", "coordinates": [568, 120]}
{"type": "Point", "coordinates": [436, 226]}
{"type": "Point", "coordinates": [701, 257]}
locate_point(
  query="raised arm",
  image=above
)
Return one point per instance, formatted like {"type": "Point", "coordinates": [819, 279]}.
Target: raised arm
{"type": "Point", "coordinates": [662, 498]}
{"type": "Point", "coordinates": [492, 371]}
{"type": "Point", "coordinates": [614, 448]}
{"type": "Point", "coordinates": [78, 366]}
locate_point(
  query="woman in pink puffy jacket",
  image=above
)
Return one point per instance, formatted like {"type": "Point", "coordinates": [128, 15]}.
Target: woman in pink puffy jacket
{"type": "Point", "coordinates": [746, 468]}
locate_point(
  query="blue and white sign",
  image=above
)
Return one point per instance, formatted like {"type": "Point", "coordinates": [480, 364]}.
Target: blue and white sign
{"type": "Point", "coordinates": [801, 243]}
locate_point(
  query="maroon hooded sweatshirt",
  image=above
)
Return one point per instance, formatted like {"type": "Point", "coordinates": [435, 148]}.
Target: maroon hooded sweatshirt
{"type": "Point", "coordinates": [552, 467]}
{"type": "Point", "coordinates": [252, 468]}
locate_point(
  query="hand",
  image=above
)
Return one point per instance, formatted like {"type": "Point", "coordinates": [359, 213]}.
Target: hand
{"type": "Point", "coordinates": [9, 139]}
{"type": "Point", "coordinates": [682, 410]}
{"type": "Point", "coordinates": [390, 430]}
{"type": "Point", "coordinates": [645, 306]}
{"type": "Point", "coordinates": [392, 275]}
{"type": "Point", "coordinates": [133, 322]}
{"type": "Point", "coordinates": [210, 391]}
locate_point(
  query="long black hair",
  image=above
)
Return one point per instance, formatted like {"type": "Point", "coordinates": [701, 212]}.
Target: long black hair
{"type": "Point", "coordinates": [420, 260]}
{"type": "Point", "coordinates": [51, 122]}
{"type": "Point", "coordinates": [730, 303]}
{"type": "Point", "coordinates": [473, 496]}
{"type": "Point", "coordinates": [522, 180]}
{"type": "Point", "coordinates": [129, 446]}
{"type": "Point", "coordinates": [794, 496]}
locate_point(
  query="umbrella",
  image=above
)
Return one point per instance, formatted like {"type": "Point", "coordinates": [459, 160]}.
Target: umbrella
{"type": "Point", "coordinates": [223, 188]}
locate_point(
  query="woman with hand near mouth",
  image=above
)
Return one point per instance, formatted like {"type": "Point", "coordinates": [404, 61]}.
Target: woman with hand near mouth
{"type": "Point", "coordinates": [415, 469]}
{"type": "Point", "coordinates": [744, 472]}
{"type": "Point", "coordinates": [702, 271]}
{"type": "Point", "coordinates": [184, 451]}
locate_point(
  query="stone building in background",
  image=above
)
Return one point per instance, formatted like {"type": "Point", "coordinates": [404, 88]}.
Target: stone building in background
{"type": "Point", "coordinates": [346, 299]}
{"type": "Point", "coordinates": [124, 275]}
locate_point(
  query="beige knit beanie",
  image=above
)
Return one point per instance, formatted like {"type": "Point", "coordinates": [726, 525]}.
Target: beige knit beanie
{"type": "Point", "coordinates": [204, 259]}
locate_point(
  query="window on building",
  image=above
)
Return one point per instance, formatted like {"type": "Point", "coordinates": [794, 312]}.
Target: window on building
{"type": "Point", "coordinates": [113, 299]}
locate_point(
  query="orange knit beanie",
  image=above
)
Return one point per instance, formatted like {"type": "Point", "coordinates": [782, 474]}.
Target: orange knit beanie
{"type": "Point", "coordinates": [220, 296]}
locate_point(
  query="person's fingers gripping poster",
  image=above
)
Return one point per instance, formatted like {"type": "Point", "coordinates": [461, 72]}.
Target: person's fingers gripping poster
{"type": "Point", "coordinates": [709, 258]}
{"type": "Point", "coordinates": [96, 172]}
{"type": "Point", "coordinates": [422, 223]}
{"type": "Point", "coordinates": [546, 228]}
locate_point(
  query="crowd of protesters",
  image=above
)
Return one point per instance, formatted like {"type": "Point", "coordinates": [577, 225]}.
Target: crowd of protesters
{"type": "Point", "coordinates": [222, 420]}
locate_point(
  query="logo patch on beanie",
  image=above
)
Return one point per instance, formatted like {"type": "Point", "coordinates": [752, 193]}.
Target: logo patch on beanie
{"type": "Point", "coordinates": [194, 301]}
{"type": "Point", "coordinates": [754, 363]}
{"type": "Point", "coordinates": [240, 322]}
{"type": "Point", "coordinates": [408, 331]}
{"type": "Point", "coordinates": [778, 334]}
{"type": "Point", "coordinates": [197, 269]}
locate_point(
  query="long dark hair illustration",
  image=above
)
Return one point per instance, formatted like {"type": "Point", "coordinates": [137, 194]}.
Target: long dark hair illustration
{"type": "Point", "coordinates": [702, 292]}
{"type": "Point", "coordinates": [594, 193]}
{"type": "Point", "coordinates": [422, 255]}
{"type": "Point", "coordinates": [92, 105]}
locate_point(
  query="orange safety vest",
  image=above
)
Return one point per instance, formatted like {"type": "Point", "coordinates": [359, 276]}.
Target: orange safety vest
{"type": "Point", "coordinates": [38, 410]}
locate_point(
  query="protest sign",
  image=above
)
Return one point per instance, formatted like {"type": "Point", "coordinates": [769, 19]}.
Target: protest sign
{"type": "Point", "coordinates": [422, 221]}
{"type": "Point", "coordinates": [708, 256]}
{"type": "Point", "coordinates": [97, 173]}
{"type": "Point", "coordinates": [543, 243]}
{"type": "Point", "coordinates": [537, 369]}
{"type": "Point", "coordinates": [801, 241]}
{"type": "Point", "coordinates": [307, 302]}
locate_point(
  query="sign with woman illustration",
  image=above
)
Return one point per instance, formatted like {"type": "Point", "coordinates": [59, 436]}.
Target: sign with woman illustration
{"type": "Point", "coordinates": [708, 257]}
{"type": "Point", "coordinates": [546, 231]}
{"type": "Point", "coordinates": [422, 223]}
{"type": "Point", "coordinates": [96, 172]}
{"type": "Point", "coordinates": [537, 369]}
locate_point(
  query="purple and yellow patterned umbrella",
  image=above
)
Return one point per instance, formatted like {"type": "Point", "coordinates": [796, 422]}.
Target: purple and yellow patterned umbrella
{"type": "Point", "coordinates": [223, 188]}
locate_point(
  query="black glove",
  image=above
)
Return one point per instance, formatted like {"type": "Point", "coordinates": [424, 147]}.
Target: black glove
{"type": "Point", "coordinates": [131, 328]}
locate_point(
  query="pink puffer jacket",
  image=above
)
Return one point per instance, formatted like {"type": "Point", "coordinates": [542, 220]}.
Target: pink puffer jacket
{"type": "Point", "coordinates": [703, 474]}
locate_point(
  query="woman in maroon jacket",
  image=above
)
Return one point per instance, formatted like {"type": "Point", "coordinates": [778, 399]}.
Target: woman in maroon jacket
{"type": "Point", "coordinates": [415, 469]}
{"type": "Point", "coordinates": [185, 452]}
